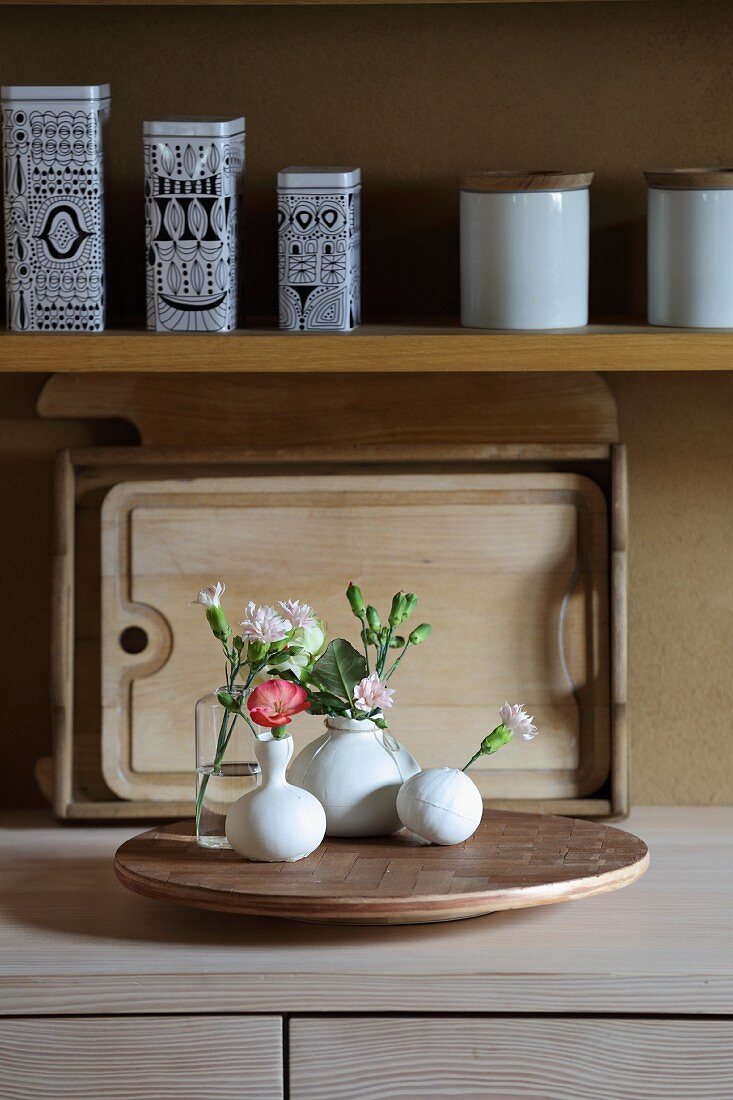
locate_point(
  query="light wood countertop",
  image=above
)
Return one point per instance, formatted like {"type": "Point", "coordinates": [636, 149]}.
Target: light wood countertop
{"type": "Point", "coordinates": [72, 940]}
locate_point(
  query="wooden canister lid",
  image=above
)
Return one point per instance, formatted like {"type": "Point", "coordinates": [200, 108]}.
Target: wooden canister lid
{"type": "Point", "coordinates": [691, 179]}
{"type": "Point", "coordinates": [548, 180]}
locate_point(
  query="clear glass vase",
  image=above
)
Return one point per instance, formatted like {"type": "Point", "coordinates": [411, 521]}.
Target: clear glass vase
{"type": "Point", "coordinates": [226, 766]}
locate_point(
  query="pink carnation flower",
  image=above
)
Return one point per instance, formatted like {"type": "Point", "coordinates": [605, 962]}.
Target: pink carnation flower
{"type": "Point", "coordinates": [274, 703]}
{"type": "Point", "coordinates": [372, 693]}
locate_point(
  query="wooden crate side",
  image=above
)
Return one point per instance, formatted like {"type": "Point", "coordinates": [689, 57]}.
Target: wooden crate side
{"type": "Point", "coordinates": [619, 632]}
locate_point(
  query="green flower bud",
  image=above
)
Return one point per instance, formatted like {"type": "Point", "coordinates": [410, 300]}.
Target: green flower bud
{"type": "Point", "coordinates": [232, 703]}
{"type": "Point", "coordinates": [356, 600]}
{"type": "Point", "coordinates": [420, 633]}
{"type": "Point", "coordinates": [397, 610]}
{"type": "Point", "coordinates": [371, 637]}
{"type": "Point", "coordinates": [256, 651]}
{"type": "Point", "coordinates": [380, 722]}
{"type": "Point", "coordinates": [217, 620]}
{"type": "Point", "coordinates": [496, 740]}
{"type": "Point", "coordinates": [375, 623]}
{"type": "Point", "coordinates": [410, 605]}
{"type": "Point", "coordinates": [397, 642]}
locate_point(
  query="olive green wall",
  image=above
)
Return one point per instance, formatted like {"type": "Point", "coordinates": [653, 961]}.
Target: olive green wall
{"type": "Point", "coordinates": [414, 95]}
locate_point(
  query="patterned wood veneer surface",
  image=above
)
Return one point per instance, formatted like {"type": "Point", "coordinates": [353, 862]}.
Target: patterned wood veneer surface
{"type": "Point", "coordinates": [513, 861]}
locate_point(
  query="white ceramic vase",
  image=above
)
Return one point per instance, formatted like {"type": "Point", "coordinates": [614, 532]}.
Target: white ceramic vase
{"type": "Point", "coordinates": [441, 805]}
{"type": "Point", "coordinates": [277, 822]}
{"type": "Point", "coordinates": [355, 771]}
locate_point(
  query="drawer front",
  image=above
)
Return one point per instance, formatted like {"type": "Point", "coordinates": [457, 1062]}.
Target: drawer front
{"type": "Point", "coordinates": [151, 1058]}
{"type": "Point", "coordinates": [499, 1059]}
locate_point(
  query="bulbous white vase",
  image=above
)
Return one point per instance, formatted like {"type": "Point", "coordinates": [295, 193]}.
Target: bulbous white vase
{"type": "Point", "coordinates": [277, 822]}
{"type": "Point", "coordinates": [441, 805]}
{"type": "Point", "coordinates": [355, 771]}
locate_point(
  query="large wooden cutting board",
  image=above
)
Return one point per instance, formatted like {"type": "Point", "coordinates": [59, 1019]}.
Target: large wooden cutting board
{"type": "Point", "coordinates": [511, 569]}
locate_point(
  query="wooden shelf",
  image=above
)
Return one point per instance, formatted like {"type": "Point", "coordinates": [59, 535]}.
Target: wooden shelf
{"type": "Point", "coordinates": [261, 3]}
{"type": "Point", "coordinates": [390, 348]}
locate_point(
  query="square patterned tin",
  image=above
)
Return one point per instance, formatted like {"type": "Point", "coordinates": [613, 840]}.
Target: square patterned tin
{"type": "Point", "coordinates": [319, 239]}
{"type": "Point", "coordinates": [54, 207]}
{"type": "Point", "coordinates": [193, 183]}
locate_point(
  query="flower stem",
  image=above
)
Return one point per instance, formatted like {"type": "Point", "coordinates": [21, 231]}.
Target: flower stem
{"type": "Point", "coordinates": [364, 643]}
{"type": "Point", "coordinates": [383, 651]}
{"type": "Point", "coordinates": [470, 762]}
{"type": "Point", "coordinates": [395, 665]}
{"type": "Point", "coordinates": [221, 745]}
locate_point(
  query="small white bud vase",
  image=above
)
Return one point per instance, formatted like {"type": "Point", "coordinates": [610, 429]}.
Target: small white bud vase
{"type": "Point", "coordinates": [690, 247]}
{"type": "Point", "coordinates": [277, 822]}
{"type": "Point", "coordinates": [355, 771]}
{"type": "Point", "coordinates": [440, 805]}
{"type": "Point", "coordinates": [525, 249]}
{"type": "Point", "coordinates": [319, 240]}
{"type": "Point", "coordinates": [193, 181]}
{"type": "Point", "coordinates": [54, 207]}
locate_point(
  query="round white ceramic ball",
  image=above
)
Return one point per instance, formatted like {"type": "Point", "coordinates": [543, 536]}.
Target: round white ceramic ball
{"type": "Point", "coordinates": [441, 805]}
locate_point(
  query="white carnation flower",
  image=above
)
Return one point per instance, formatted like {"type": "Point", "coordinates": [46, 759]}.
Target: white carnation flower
{"type": "Point", "coordinates": [211, 595]}
{"type": "Point", "coordinates": [515, 718]}
{"type": "Point", "coordinates": [263, 624]}
{"type": "Point", "coordinates": [298, 614]}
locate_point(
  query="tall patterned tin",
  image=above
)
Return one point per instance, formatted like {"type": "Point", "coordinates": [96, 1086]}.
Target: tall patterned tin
{"type": "Point", "coordinates": [319, 249]}
{"type": "Point", "coordinates": [193, 183]}
{"type": "Point", "coordinates": [54, 207]}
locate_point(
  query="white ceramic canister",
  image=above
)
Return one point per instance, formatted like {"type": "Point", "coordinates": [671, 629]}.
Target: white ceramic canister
{"type": "Point", "coordinates": [524, 249]}
{"type": "Point", "coordinates": [319, 249]}
{"type": "Point", "coordinates": [193, 184]}
{"type": "Point", "coordinates": [355, 771]}
{"type": "Point", "coordinates": [690, 247]}
{"type": "Point", "coordinates": [54, 206]}
{"type": "Point", "coordinates": [277, 822]}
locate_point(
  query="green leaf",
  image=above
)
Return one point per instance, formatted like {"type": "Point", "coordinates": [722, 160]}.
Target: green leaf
{"type": "Point", "coordinates": [339, 669]}
{"type": "Point", "coordinates": [321, 702]}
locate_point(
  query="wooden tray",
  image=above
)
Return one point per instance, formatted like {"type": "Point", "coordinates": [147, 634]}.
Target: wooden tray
{"type": "Point", "coordinates": [84, 479]}
{"type": "Point", "coordinates": [511, 568]}
{"type": "Point", "coordinates": [514, 861]}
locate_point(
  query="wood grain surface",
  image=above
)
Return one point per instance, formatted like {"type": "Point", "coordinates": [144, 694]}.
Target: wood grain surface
{"type": "Point", "coordinates": [85, 476]}
{"type": "Point", "coordinates": [72, 940]}
{"type": "Point", "coordinates": [526, 181]}
{"type": "Point", "coordinates": [513, 861]}
{"type": "Point", "coordinates": [204, 410]}
{"type": "Point", "coordinates": [154, 1058]}
{"type": "Point", "coordinates": [503, 1059]}
{"type": "Point", "coordinates": [373, 349]}
{"type": "Point", "coordinates": [691, 179]}
{"type": "Point", "coordinates": [485, 552]}
{"type": "Point", "coordinates": [348, 3]}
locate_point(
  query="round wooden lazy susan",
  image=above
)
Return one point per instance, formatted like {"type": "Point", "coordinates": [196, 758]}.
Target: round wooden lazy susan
{"type": "Point", "coordinates": [513, 861]}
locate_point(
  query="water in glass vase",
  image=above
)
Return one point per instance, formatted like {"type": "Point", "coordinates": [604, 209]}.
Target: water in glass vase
{"type": "Point", "coordinates": [223, 786]}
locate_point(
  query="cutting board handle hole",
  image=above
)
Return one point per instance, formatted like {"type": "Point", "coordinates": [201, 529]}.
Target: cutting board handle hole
{"type": "Point", "coordinates": [134, 639]}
